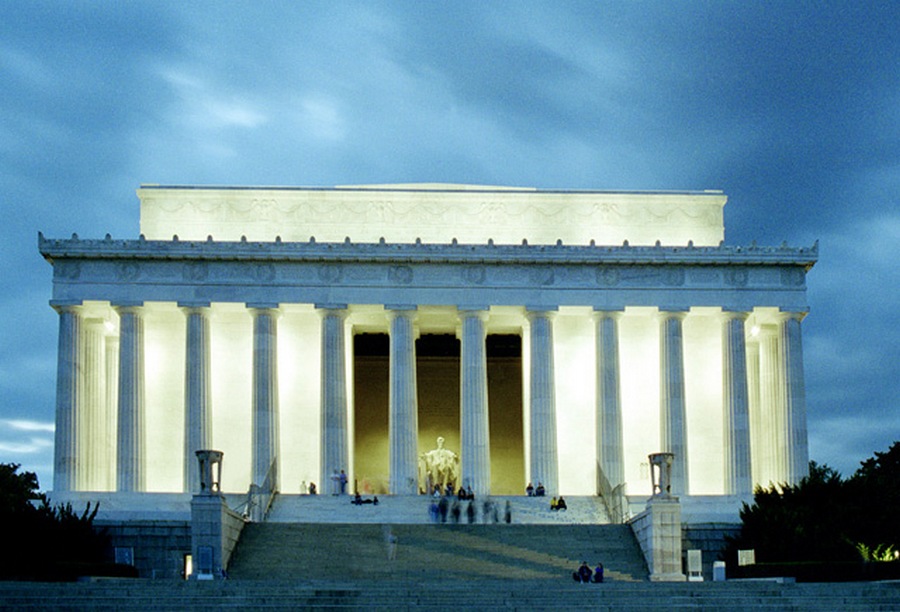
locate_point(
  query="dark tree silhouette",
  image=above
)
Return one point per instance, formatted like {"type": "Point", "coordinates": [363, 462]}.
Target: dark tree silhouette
{"type": "Point", "coordinates": [41, 541]}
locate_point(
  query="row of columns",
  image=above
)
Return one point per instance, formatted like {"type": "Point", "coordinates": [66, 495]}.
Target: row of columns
{"type": "Point", "coordinates": [778, 402]}
{"type": "Point", "coordinates": [780, 398]}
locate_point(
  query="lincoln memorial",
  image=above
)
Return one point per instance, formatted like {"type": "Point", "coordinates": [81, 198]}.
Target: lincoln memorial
{"type": "Point", "coordinates": [553, 337]}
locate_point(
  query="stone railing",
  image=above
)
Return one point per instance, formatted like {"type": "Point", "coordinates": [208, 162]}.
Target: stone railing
{"type": "Point", "coordinates": [613, 498]}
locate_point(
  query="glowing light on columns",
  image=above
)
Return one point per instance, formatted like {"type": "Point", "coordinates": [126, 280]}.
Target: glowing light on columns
{"type": "Point", "coordinates": [131, 451]}
{"type": "Point", "coordinates": [333, 450]}
{"type": "Point", "coordinates": [610, 451]}
{"type": "Point", "coordinates": [68, 389]}
{"type": "Point", "coordinates": [544, 457]}
{"type": "Point", "coordinates": [736, 408]}
{"type": "Point", "coordinates": [403, 419]}
{"type": "Point", "coordinates": [197, 408]}
{"type": "Point", "coordinates": [770, 407]}
{"type": "Point", "coordinates": [265, 389]}
{"type": "Point", "coordinates": [474, 423]}
{"type": "Point", "coordinates": [795, 450]}
{"type": "Point", "coordinates": [673, 424]}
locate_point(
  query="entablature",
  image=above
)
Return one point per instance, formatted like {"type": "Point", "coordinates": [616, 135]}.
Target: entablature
{"type": "Point", "coordinates": [419, 252]}
{"type": "Point", "coordinates": [354, 273]}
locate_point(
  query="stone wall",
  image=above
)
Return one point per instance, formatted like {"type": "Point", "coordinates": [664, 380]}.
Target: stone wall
{"type": "Point", "coordinates": [159, 547]}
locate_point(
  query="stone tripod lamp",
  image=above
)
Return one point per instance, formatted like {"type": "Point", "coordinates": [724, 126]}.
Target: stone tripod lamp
{"type": "Point", "coordinates": [210, 471]}
{"type": "Point", "coordinates": [661, 473]}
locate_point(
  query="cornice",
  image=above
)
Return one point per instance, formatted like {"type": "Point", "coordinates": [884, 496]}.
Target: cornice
{"type": "Point", "coordinates": [418, 252]}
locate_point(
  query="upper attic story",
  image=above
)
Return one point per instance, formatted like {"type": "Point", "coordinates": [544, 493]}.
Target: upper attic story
{"type": "Point", "coordinates": [433, 213]}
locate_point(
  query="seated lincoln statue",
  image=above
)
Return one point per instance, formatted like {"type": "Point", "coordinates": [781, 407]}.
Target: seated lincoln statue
{"type": "Point", "coordinates": [438, 468]}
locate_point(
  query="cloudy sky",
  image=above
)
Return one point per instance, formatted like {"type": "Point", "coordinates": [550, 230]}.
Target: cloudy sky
{"type": "Point", "coordinates": [792, 108]}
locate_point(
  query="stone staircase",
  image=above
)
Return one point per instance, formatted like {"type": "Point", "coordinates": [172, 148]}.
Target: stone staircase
{"type": "Point", "coordinates": [400, 509]}
{"type": "Point", "coordinates": [433, 553]}
{"type": "Point", "coordinates": [564, 594]}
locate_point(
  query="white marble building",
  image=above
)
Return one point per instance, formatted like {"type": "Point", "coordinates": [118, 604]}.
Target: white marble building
{"type": "Point", "coordinates": [231, 324]}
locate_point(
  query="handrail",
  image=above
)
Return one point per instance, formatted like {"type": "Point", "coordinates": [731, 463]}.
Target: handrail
{"type": "Point", "coordinates": [613, 497]}
{"type": "Point", "coordinates": [260, 496]}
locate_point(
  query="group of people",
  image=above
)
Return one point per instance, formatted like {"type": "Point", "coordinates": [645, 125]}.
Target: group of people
{"type": "Point", "coordinates": [585, 574]}
{"type": "Point", "coordinates": [443, 511]}
{"type": "Point", "coordinates": [531, 491]}
{"type": "Point", "coordinates": [359, 500]}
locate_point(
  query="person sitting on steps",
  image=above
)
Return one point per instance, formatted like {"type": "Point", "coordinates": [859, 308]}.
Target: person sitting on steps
{"type": "Point", "coordinates": [583, 573]}
{"type": "Point", "coordinates": [561, 504]}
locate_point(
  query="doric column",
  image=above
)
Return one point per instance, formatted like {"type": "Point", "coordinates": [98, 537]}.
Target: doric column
{"type": "Point", "coordinates": [334, 448]}
{"type": "Point", "coordinates": [474, 423]}
{"type": "Point", "coordinates": [544, 456]}
{"type": "Point", "coordinates": [403, 404]}
{"type": "Point", "coordinates": [770, 407]}
{"type": "Point", "coordinates": [130, 451]}
{"type": "Point", "coordinates": [68, 395]}
{"type": "Point", "coordinates": [112, 407]}
{"type": "Point", "coordinates": [736, 406]}
{"type": "Point", "coordinates": [610, 452]}
{"type": "Point", "coordinates": [265, 390]}
{"type": "Point", "coordinates": [796, 449]}
{"type": "Point", "coordinates": [197, 393]}
{"type": "Point", "coordinates": [92, 415]}
{"type": "Point", "coordinates": [672, 418]}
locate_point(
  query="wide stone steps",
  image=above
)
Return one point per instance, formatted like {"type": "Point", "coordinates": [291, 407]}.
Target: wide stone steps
{"type": "Point", "coordinates": [484, 594]}
{"type": "Point", "coordinates": [443, 552]}
{"type": "Point", "coordinates": [400, 509]}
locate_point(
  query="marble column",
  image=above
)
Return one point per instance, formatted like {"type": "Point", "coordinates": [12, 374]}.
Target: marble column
{"type": "Point", "coordinates": [130, 450]}
{"type": "Point", "coordinates": [672, 417]}
{"type": "Point", "coordinates": [770, 407]}
{"type": "Point", "coordinates": [736, 406]}
{"type": "Point", "coordinates": [334, 442]}
{"type": "Point", "coordinates": [795, 450]}
{"type": "Point", "coordinates": [92, 415]}
{"type": "Point", "coordinates": [197, 392]}
{"type": "Point", "coordinates": [474, 422]}
{"type": "Point", "coordinates": [544, 456]}
{"type": "Point", "coordinates": [112, 407]}
{"type": "Point", "coordinates": [403, 419]}
{"type": "Point", "coordinates": [68, 394]}
{"type": "Point", "coordinates": [610, 451]}
{"type": "Point", "coordinates": [265, 390]}
{"type": "Point", "coordinates": [756, 427]}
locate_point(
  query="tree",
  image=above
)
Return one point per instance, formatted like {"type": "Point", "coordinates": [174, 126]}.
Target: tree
{"type": "Point", "coordinates": [875, 488]}
{"type": "Point", "coordinates": [823, 517]}
{"type": "Point", "coordinates": [802, 522]}
{"type": "Point", "coordinates": [38, 539]}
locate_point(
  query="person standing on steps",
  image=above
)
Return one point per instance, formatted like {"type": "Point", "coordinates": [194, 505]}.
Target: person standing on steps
{"type": "Point", "coordinates": [391, 545]}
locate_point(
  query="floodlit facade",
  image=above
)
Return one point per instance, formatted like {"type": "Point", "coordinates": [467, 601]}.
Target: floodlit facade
{"type": "Point", "coordinates": [548, 336]}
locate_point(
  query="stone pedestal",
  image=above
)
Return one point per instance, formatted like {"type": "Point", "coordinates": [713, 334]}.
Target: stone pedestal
{"type": "Point", "coordinates": [658, 530]}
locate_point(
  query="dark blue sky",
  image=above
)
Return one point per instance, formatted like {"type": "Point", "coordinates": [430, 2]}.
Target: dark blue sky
{"type": "Point", "coordinates": [792, 108]}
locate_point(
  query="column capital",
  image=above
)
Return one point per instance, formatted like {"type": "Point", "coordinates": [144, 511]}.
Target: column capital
{"type": "Point", "coordinates": [472, 312]}
{"type": "Point", "coordinates": [730, 314]}
{"type": "Point", "coordinates": [66, 305]}
{"type": "Point", "coordinates": [534, 313]}
{"type": "Point", "coordinates": [798, 315]}
{"type": "Point", "coordinates": [673, 313]}
{"type": "Point", "coordinates": [401, 307]}
{"type": "Point", "coordinates": [539, 308]}
{"type": "Point", "coordinates": [262, 305]}
{"type": "Point", "coordinates": [126, 308]}
{"type": "Point", "coordinates": [607, 313]}
{"type": "Point", "coordinates": [330, 306]}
